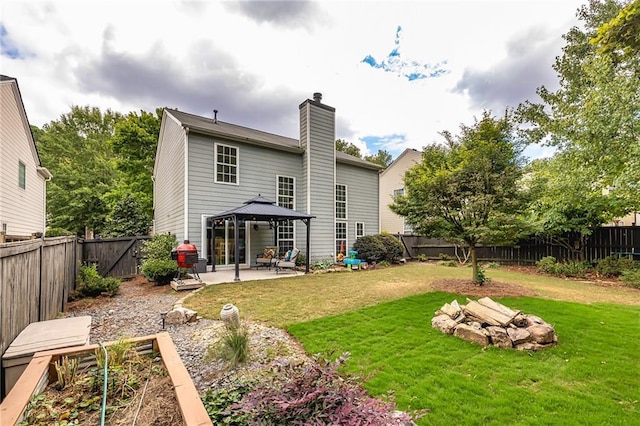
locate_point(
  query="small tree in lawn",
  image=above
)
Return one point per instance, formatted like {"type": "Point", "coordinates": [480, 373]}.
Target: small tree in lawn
{"type": "Point", "coordinates": [468, 190]}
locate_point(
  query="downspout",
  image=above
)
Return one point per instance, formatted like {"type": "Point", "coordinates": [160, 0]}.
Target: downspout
{"type": "Point", "coordinates": [185, 225]}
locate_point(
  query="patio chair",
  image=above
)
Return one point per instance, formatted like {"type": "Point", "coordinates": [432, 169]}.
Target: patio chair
{"type": "Point", "coordinates": [267, 258]}
{"type": "Point", "coordinates": [289, 261]}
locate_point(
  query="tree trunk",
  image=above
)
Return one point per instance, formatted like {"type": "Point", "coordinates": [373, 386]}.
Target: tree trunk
{"type": "Point", "coordinates": [474, 262]}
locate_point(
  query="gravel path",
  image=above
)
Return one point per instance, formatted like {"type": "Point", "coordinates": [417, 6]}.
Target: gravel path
{"type": "Point", "coordinates": [136, 312]}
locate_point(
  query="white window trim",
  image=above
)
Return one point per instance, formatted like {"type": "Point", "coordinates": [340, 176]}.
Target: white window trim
{"type": "Point", "coordinates": [294, 204]}
{"type": "Point", "coordinates": [20, 163]}
{"type": "Point", "coordinates": [215, 164]}
{"type": "Point", "coordinates": [346, 237]}
{"type": "Point", "coordinates": [346, 202]}
{"type": "Point", "coordinates": [356, 230]}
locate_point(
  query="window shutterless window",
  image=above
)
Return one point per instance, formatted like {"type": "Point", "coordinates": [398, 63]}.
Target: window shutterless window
{"type": "Point", "coordinates": [341, 201]}
{"type": "Point", "coordinates": [341, 238]}
{"type": "Point", "coordinates": [22, 175]}
{"type": "Point", "coordinates": [226, 164]}
{"type": "Point", "coordinates": [359, 229]}
{"type": "Point", "coordinates": [286, 197]}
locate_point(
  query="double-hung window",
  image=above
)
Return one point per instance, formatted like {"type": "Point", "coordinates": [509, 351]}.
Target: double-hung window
{"type": "Point", "coordinates": [226, 164]}
{"type": "Point", "coordinates": [341, 239]}
{"type": "Point", "coordinates": [359, 229]}
{"type": "Point", "coordinates": [286, 198]}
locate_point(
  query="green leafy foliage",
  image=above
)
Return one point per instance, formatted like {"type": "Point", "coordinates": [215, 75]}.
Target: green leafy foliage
{"type": "Point", "coordinates": [157, 265]}
{"type": "Point", "coordinates": [613, 266]}
{"type": "Point", "coordinates": [127, 219]}
{"type": "Point", "coordinates": [218, 400]}
{"type": "Point", "coordinates": [468, 191]}
{"type": "Point", "coordinates": [448, 263]}
{"type": "Point", "coordinates": [160, 271]}
{"type": "Point", "coordinates": [549, 265]}
{"type": "Point", "coordinates": [348, 148]}
{"type": "Point", "coordinates": [159, 246]}
{"type": "Point", "coordinates": [378, 247]}
{"type": "Point", "coordinates": [91, 284]}
{"type": "Point", "coordinates": [593, 118]}
{"type": "Point", "coordinates": [631, 278]}
{"type": "Point", "coordinates": [382, 158]}
{"type": "Point", "coordinates": [323, 264]}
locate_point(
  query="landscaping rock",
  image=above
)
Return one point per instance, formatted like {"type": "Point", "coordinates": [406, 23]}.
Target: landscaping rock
{"type": "Point", "coordinates": [488, 322]}
{"type": "Point", "coordinates": [472, 334]}
{"type": "Point", "coordinates": [443, 323]}
{"type": "Point", "coordinates": [176, 317]}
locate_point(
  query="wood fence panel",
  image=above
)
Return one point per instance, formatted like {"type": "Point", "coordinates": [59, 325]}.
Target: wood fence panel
{"type": "Point", "coordinates": [33, 276]}
{"type": "Point", "coordinates": [115, 257]}
{"type": "Point", "coordinates": [605, 241]}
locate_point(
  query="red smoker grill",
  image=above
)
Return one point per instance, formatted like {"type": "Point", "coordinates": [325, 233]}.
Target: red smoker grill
{"type": "Point", "coordinates": [186, 254]}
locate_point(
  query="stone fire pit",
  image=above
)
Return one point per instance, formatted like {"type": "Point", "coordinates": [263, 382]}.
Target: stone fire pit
{"type": "Point", "coordinates": [490, 323]}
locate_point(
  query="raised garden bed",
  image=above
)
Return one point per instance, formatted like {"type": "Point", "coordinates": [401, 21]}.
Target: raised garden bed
{"type": "Point", "coordinates": [154, 368]}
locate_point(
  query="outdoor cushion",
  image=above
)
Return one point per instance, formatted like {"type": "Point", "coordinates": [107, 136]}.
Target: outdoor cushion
{"type": "Point", "coordinates": [287, 257]}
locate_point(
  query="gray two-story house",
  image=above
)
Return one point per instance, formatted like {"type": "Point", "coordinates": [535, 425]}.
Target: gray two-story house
{"type": "Point", "coordinates": [205, 166]}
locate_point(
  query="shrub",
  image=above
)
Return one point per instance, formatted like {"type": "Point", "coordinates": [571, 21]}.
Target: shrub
{"type": "Point", "coordinates": [394, 250]}
{"type": "Point", "coordinates": [631, 278]}
{"type": "Point", "coordinates": [448, 263]}
{"type": "Point", "coordinates": [91, 284]}
{"type": "Point", "coordinates": [219, 399]}
{"type": "Point", "coordinates": [315, 393]}
{"type": "Point", "coordinates": [444, 256]}
{"type": "Point", "coordinates": [492, 265]}
{"type": "Point", "coordinates": [565, 269]}
{"type": "Point", "coordinates": [612, 266]}
{"type": "Point", "coordinates": [159, 246]}
{"type": "Point", "coordinates": [422, 258]}
{"type": "Point", "coordinates": [480, 276]}
{"type": "Point", "coordinates": [547, 265]}
{"type": "Point", "coordinates": [323, 264]}
{"type": "Point", "coordinates": [301, 259]}
{"type": "Point", "coordinates": [376, 248]}
{"type": "Point", "coordinates": [161, 271]}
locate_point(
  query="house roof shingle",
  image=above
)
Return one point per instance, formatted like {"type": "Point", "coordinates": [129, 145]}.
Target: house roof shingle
{"type": "Point", "coordinates": [230, 131]}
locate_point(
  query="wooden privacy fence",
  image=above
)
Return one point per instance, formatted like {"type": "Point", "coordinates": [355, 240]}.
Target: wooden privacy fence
{"type": "Point", "coordinates": [36, 277]}
{"type": "Point", "coordinates": [114, 257]}
{"type": "Point", "coordinates": [605, 241]}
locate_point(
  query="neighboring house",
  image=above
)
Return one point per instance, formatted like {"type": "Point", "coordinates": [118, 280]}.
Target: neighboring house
{"type": "Point", "coordinates": [23, 180]}
{"type": "Point", "coordinates": [632, 219]}
{"type": "Point", "coordinates": [392, 184]}
{"type": "Point", "coordinates": [204, 167]}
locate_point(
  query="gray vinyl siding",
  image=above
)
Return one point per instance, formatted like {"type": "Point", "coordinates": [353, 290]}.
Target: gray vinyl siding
{"type": "Point", "coordinates": [257, 171]}
{"type": "Point", "coordinates": [169, 180]}
{"type": "Point", "coordinates": [362, 198]}
{"type": "Point", "coordinates": [321, 168]}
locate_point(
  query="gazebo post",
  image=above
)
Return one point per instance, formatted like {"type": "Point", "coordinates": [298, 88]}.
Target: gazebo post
{"type": "Point", "coordinates": [306, 260]}
{"type": "Point", "coordinates": [236, 248]}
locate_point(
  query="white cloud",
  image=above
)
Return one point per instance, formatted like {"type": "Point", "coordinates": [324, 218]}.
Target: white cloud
{"type": "Point", "coordinates": [255, 62]}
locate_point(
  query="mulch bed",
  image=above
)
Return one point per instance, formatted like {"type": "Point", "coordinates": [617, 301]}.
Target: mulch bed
{"type": "Point", "coordinates": [490, 288]}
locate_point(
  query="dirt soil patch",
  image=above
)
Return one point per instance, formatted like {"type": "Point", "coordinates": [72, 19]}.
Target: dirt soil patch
{"type": "Point", "coordinates": [137, 286]}
{"type": "Point", "coordinates": [491, 288]}
{"type": "Point", "coordinates": [139, 392]}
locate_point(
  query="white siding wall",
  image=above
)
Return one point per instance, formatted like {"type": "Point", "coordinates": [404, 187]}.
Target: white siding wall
{"type": "Point", "coordinates": [22, 210]}
{"type": "Point", "coordinates": [168, 189]}
{"type": "Point", "coordinates": [362, 198]}
{"type": "Point", "coordinates": [257, 171]}
{"type": "Point", "coordinates": [390, 180]}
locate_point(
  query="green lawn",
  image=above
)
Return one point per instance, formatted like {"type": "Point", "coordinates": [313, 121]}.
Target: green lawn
{"type": "Point", "coordinates": [383, 318]}
{"type": "Point", "coordinates": [291, 300]}
{"type": "Point", "coordinates": [591, 378]}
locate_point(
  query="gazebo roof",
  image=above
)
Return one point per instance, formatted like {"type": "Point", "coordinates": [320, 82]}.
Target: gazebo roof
{"type": "Point", "coordinates": [262, 209]}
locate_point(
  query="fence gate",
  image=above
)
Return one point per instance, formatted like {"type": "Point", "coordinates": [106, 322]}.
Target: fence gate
{"type": "Point", "coordinates": [114, 257]}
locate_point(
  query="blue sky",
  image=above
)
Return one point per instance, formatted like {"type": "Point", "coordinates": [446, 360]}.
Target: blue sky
{"type": "Point", "coordinates": [398, 73]}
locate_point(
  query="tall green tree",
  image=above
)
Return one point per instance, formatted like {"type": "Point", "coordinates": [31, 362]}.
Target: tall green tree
{"type": "Point", "coordinates": [135, 142]}
{"type": "Point", "coordinates": [127, 218]}
{"type": "Point", "coordinates": [77, 151]}
{"type": "Point", "coordinates": [620, 37]}
{"type": "Point", "coordinates": [468, 191]}
{"type": "Point", "coordinates": [382, 157]}
{"type": "Point", "coordinates": [565, 205]}
{"type": "Point", "coordinates": [593, 118]}
{"type": "Point", "coordinates": [348, 148]}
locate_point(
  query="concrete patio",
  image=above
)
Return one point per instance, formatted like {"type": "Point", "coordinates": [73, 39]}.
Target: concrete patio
{"type": "Point", "coordinates": [227, 275]}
